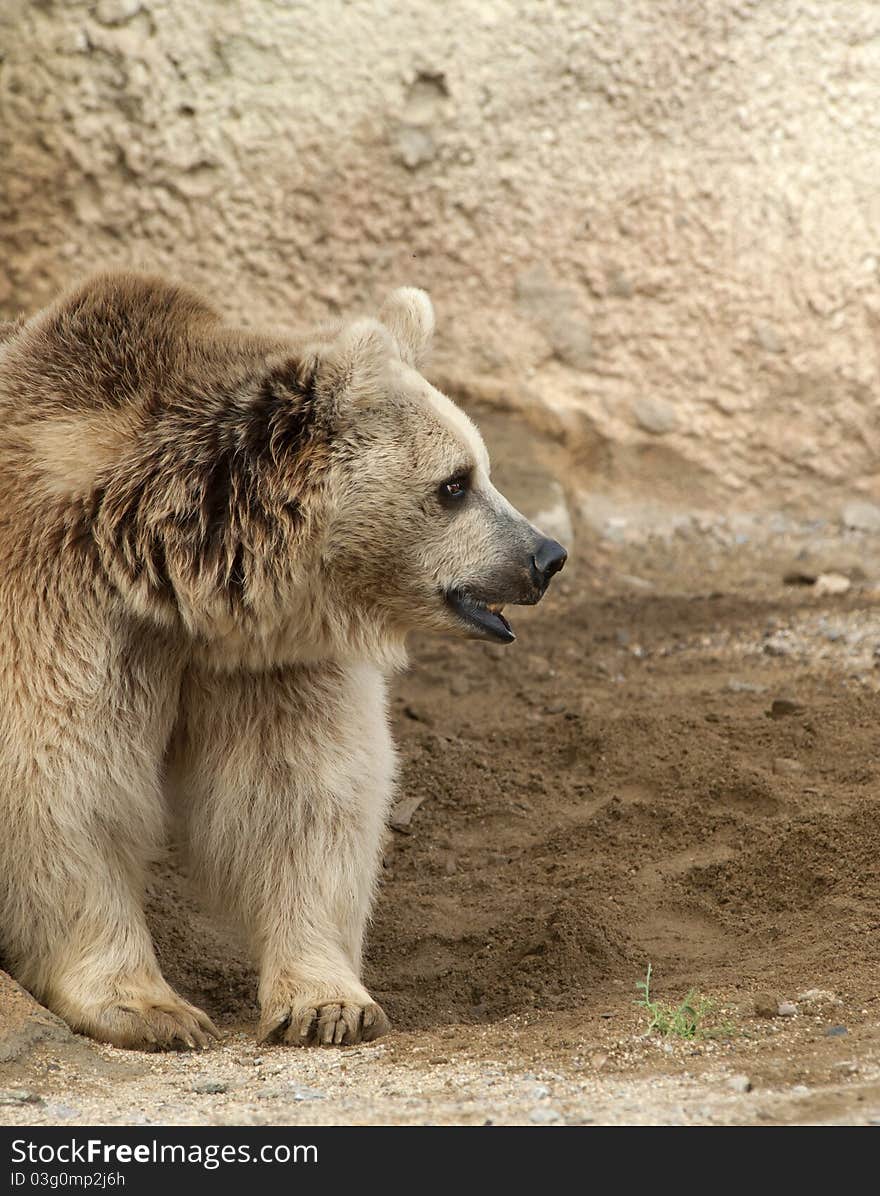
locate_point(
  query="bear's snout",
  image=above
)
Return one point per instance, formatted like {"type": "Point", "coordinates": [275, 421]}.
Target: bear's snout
{"type": "Point", "coordinates": [547, 559]}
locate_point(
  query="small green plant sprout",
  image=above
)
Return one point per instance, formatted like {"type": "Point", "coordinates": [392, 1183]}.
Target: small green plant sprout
{"type": "Point", "coordinates": [695, 1017]}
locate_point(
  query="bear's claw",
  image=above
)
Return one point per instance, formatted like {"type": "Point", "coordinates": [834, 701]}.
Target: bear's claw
{"type": "Point", "coordinates": [329, 1023]}
{"type": "Point", "coordinates": [149, 1025]}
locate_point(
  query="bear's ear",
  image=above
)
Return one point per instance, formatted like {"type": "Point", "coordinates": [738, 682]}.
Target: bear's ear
{"type": "Point", "coordinates": [354, 367]}
{"type": "Point", "coordinates": [408, 314]}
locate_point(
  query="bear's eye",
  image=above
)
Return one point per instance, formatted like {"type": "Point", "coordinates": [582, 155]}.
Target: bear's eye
{"type": "Point", "coordinates": [454, 489]}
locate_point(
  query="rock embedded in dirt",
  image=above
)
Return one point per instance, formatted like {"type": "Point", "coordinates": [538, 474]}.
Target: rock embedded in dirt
{"type": "Point", "coordinates": [542, 1116]}
{"type": "Point", "coordinates": [836, 1031]}
{"type": "Point", "coordinates": [784, 708]}
{"type": "Point", "coordinates": [402, 812]}
{"type": "Point", "coordinates": [654, 415]}
{"type": "Point", "coordinates": [846, 1067]}
{"type": "Point", "coordinates": [786, 1009]}
{"type": "Point", "coordinates": [861, 516]}
{"type": "Point", "coordinates": [20, 1096]}
{"type": "Point", "coordinates": [60, 1112]}
{"type": "Point", "coordinates": [831, 585]}
{"type": "Point", "coordinates": [210, 1087]}
{"type": "Point", "coordinates": [739, 1083]}
{"type": "Point", "coordinates": [777, 645]}
{"type": "Point", "coordinates": [117, 12]}
{"type": "Point", "coordinates": [415, 146]}
{"type": "Point", "coordinates": [736, 686]}
{"type": "Point", "coordinates": [24, 1022]}
{"type": "Point", "coordinates": [818, 996]}
{"type": "Point", "coordinates": [783, 766]}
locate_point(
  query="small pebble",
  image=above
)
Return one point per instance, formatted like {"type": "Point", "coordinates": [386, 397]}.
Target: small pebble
{"type": "Point", "coordinates": [819, 996]}
{"type": "Point", "coordinates": [800, 1090]}
{"type": "Point", "coordinates": [783, 707]}
{"type": "Point", "coordinates": [861, 515]}
{"type": "Point", "coordinates": [116, 12]}
{"type": "Point", "coordinates": [786, 1009]}
{"type": "Point", "coordinates": [785, 767]}
{"type": "Point", "coordinates": [541, 1116]}
{"type": "Point", "coordinates": [739, 1083]}
{"type": "Point", "coordinates": [19, 1096]}
{"type": "Point", "coordinates": [836, 1031]}
{"type": "Point", "coordinates": [831, 584]}
{"type": "Point", "coordinates": [61, 1112]}
{"type": "Point", "coordinates": [847, 1067]}
{"type": "Point", "coordinates": [402, 812]}
{"type": "Point", "coordinates": [745, 687]}
{"type": "Point", "coordinates": [210, 1087]}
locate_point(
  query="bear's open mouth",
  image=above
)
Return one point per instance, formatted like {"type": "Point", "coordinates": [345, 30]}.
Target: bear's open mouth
{"type": "Point", "coordinates": [482, 618]}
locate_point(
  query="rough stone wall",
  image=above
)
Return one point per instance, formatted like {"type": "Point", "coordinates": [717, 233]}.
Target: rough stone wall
{"type": "Point", "coordinates": [653, 225]}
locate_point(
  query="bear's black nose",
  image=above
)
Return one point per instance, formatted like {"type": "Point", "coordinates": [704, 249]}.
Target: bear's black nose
{"type": "Point", "coordinates": [549, 557]}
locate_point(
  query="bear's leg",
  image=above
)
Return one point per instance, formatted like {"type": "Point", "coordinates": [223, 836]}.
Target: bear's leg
{"type": "Point", "coordinates": [282, 781]}
{"type": "Point", "coordinates": [88, 955]}
{"type": "Point", "coordinates": [82, 814]}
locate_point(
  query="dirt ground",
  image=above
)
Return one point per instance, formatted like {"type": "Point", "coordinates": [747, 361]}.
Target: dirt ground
{"type": "Point", "coordinates": [675, 764]}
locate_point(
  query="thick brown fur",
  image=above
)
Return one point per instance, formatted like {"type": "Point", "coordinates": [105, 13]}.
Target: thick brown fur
{"type": "Point", "coordinates": [212, 546]}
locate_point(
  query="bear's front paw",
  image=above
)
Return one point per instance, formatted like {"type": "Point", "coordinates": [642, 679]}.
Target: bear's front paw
{"type": "Point", "coordinates": [340, 1022]}
{"type": "Point", "coordinates": [147, 1023]}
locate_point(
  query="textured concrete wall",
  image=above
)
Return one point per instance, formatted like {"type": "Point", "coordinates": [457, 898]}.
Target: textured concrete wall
{"type": "Point", "coordinates": [654, 224]}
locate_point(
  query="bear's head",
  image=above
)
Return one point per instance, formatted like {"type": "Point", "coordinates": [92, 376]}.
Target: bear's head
{"type": "Point", "coordinates": [282, 500]}
{"type": "Point", "coordinates": [414, 534]}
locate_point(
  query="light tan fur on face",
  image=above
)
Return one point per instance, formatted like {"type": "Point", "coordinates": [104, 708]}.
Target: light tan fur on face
{"type": "Point", "coordinates": [459, 425]}
{"type": "Point", "coordinates": [213, 545]}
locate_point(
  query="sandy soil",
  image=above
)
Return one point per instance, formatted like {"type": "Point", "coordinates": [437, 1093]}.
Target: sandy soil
{"type": "Point", "coordinates": [676, 764]}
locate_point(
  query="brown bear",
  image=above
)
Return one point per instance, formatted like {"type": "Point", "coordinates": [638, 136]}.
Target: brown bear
{"type": "Point", "coordinates": [213, 544]}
